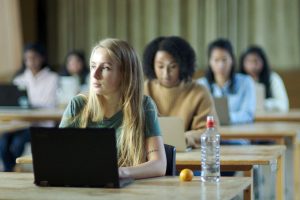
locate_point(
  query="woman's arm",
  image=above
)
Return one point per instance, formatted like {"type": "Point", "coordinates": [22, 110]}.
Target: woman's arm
{"type": "Point", "coordinates": [246, 102]}
{"type": "Point", "coordinates": [279, 101]}
{"type": "Point", "coordinates": [156, 161]}
{"type": "Point", "coordinates": [204, 107]}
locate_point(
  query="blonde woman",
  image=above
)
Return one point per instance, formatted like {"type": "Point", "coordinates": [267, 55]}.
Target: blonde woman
{"type": "Point", "coordinates": [116, 100]}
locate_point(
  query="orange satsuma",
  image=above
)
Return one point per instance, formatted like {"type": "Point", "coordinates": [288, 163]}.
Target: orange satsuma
{"type": "Point", "coordinates": [186, 175]}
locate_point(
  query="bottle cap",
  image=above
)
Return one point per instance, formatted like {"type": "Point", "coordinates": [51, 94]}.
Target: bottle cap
{"type": "Point", "coordinates": [210, 122]}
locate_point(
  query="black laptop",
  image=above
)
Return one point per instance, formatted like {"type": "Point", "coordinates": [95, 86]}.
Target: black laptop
{"type": "Point", "coordinates": [75, 157]}
{"type": "Point", "coordinates": [12, 97]}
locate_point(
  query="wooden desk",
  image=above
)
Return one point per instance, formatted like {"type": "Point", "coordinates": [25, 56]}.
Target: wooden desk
{"type": "Point", "coordinates": [280, 132]}
{"type": "Point", "coordinates": [20, 186]}
{"type": "Point", "coordinates": [292, 116]}
{"type": "Point", "coordinates": [242, 158]}
{"type": "Point", "coordinates": [31, 115]}
{"type": "Point", "coordinates": [6, 127]}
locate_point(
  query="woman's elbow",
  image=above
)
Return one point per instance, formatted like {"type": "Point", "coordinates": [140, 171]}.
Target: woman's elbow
{"type": "Point", "coordinates": [161, 167]}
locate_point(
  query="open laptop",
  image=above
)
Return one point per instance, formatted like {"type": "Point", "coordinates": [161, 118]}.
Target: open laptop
{"type": "Point", "coordinates": [221, 105]}
{"type": "Point", "coordinates": [75, 157]}
{"type": "Point", "coordinates": [172, 129]}
{"type": "Point", "coordinates": [260, 97]}
{"type": "Point", "coordinates": [12, 97]}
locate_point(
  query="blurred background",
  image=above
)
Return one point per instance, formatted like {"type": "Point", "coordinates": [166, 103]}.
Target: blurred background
{"type": "Point", "coordinates": [62, 25]}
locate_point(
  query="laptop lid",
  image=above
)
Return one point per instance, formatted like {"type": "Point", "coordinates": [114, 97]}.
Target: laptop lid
{"type": "Point", "coordinates": [75, 157]}
{"type": "Point", "coordinates": [260, 96]}
{"type": "Point", "coordinates": [221, 105]}
{"type": "Point", "coordinates": [172, 129]}
{"type": "Point", "coordinates": [12, 97]}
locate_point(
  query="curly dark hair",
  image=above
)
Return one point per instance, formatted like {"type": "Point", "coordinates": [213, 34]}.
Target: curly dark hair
{"type": "Point", "coordinates": [84, 71]}
{"type": "Point", "coordinates": [264, 76]}
{"type": "Point", "coordinates": [180, 49]}
{"type": "Point", "coordinates": [224, 44]}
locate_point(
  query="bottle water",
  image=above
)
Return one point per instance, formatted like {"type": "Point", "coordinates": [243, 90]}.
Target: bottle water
{"type": "Point", "coordinates": [210, 152]}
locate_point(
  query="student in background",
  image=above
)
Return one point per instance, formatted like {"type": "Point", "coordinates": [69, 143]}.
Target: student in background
{"type": "Point", "coordinates": [221, 80]}
{"type": "Point", "coordinates": [169, 64]}
{"type": "Point", "coordinates": [74, 77]}
{"type": "Point", "coordinates": [254, 62]}
{"type": "Point", "coordinates": [41, 85]}
{"type": "Point", "coordinates": [116, 100]}
{"type": "Point", "coordinates": [75, 65]}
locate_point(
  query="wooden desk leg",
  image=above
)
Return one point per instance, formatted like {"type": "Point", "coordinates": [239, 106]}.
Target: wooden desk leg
{"type": "Point", "coordinates": [296, 171]}
{"type": "Point", "coordinates": [248, 193]}
{"type": "Point", "coordinates": [280, 180]}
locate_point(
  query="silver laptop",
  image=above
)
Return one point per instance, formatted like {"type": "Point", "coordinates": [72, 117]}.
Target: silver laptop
{"type": "Point", "coordinates": [221, 105]}
{"type": "Point", "coordinates": [260, 97]}
{"type": "Point", "coordinates": [172, 129]}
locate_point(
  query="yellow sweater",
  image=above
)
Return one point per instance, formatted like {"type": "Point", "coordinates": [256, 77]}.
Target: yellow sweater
{"type": "Point", "coordinates": [189, 101]}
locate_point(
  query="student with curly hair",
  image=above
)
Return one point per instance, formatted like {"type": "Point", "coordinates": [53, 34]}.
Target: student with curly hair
{"type": "Point", "coordinates": [169, 63]}
{"type": "Point", "coordinates": [116, 100]}
{"type": "Point", "coordinates": [254, 62]}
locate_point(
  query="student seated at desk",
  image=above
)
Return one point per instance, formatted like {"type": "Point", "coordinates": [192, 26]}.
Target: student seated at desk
{"type": "Point", "coordinates": [74, 77]}
{"type": "Point", "coordinates": [116, 100]}
{"type": "Point", "coordinates": [169, 64]}
{"type": "Point", "coordinates": [41, 86]}
{"type": "Point", "coordinates": [254, 62]}
{"type": "Point", "coordinates": [75, 66]}
{"type": "Point", "coordinates": [221, 80]}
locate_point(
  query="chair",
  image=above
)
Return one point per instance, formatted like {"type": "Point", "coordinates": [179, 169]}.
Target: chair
{"type": "Point", "coordinates": [171, 160]}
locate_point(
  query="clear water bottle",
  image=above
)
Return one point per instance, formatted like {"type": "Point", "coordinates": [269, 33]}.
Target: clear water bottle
{"type": "Point", "coordinates": [210, 152]}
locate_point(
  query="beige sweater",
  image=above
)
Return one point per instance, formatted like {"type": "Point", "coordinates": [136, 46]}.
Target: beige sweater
{"type": "Point", "coordinates": [189, 101]}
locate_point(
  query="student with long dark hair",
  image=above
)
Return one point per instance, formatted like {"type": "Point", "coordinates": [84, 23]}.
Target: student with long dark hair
{"type": "Point", "coordinates": [75, 65]}
{"type": "Point", "coordinates": [254, 62]}
{"type": "Point", "coordinates": [221, 80]}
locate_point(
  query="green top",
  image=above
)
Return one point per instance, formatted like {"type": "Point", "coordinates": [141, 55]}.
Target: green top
{"type": "Point", "coordinates": [78, 102]}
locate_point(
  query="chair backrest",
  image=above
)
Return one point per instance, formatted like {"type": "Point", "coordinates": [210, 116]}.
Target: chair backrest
{"type": "Point", "coordinates": [171, 160]}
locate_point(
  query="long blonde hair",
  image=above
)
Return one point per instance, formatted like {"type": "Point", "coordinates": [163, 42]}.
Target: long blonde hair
{"type": "Point", "coordinates": [131, 142]}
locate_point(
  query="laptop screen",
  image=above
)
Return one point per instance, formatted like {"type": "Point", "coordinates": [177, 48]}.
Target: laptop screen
{"type": "Point", "coordinates": [12, 96]}
{"type": "Point", "coordinates": [75, 157]}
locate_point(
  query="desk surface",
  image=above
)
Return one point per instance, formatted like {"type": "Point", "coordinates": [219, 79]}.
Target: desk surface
{"type": "Point", "coordinates": [31, 115]}
{"type": "Point", "coordinates": [230, 155]}
{"type": "Point", "coordinates": [6, 127]}
{"type": "Point", "coordinates": [20, 186]}
{"type": "Point", "coordinates": [237, 155]}
{"type": "Point", "coordinates": [292, 116]}
{"type": "Point", "coordinates": [261, 129]}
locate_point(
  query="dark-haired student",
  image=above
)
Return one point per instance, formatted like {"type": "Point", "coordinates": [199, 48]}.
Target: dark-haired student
{"type": "Point", "coordinates": [116, 100]}
{"type": "Point", "coordinates": [75, 66]}
{"type": "Point", "coordinates": [254, 62]}
{"type": "Point", "coordinates": [169, 63]}
{"type": "Point", "coordinates": [41, 85]}
{"type": "Point", "coordinates": [221, 80]}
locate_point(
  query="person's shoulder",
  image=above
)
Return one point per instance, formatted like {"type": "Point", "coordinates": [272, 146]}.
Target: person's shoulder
{"type": "Point", "coordinates": [148, 103]}
{"type": "Point", "coordinates": [195, 86]}
{"type": "Point", "coordinates": [79, 100]}
{"type": "Point", "coordinates": [77, 103]}
{"type": "Point", "coordinates": [275, 75]}
{"type": "Point", "coordinates": [242, 78]}
{"type": "Point", "coordinates": [202, 81]}
{"type": "Point", "coordinates": [52, 73]}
